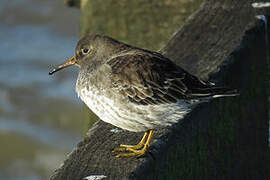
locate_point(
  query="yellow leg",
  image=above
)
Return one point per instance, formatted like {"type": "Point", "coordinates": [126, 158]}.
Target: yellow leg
{"type": "Point", "coordinates": [136, 152]}
{"type": "Point", "coordinates": [124, 147]}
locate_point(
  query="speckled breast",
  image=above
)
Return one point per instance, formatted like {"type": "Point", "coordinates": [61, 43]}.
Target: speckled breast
{"type": "Point", "coordinates": [108, 104]}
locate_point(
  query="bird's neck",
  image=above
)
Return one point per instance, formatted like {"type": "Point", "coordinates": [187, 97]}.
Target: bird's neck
{"type": "Point", "coordinates": [114, 49]}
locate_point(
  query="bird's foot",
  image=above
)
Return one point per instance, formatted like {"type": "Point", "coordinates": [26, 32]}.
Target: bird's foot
{"type": "Point", "coordinates": [131, 148]}
{"type": "Point", "coordinates": [134, 152]}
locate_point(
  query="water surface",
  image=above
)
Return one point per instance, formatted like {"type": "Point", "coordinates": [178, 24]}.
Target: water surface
{"type": "Point", "coordinates": [40, 116]}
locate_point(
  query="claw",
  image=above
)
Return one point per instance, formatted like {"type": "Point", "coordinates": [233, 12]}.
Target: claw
{"type": "Point", "coordinates": [120, 149]}
{"type": "Point", "coordinates": [136, 153]}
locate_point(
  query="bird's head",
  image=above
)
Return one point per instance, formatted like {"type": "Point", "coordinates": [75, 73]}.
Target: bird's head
{"type": "Point", "coordinates": [92, 51]}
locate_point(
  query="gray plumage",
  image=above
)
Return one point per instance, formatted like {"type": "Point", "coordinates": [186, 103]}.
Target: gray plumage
{"type": "Point", "coordinates": [136, 89]}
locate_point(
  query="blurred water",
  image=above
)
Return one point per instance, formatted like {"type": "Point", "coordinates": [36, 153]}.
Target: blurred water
{"type": "Point", "coordinates": [40, 115]}
{"type": "Point", "coordinates": [36, 48]}
{"type": "Point", "coordinates": [39, 134]}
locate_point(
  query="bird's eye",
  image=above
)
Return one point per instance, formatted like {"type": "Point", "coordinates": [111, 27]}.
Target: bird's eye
{"type": "Point", "coordinates": [85, 51]}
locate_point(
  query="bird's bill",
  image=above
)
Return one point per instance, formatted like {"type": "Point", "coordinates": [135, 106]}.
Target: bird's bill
{"type": "Point", "coordinates": [72, 61]}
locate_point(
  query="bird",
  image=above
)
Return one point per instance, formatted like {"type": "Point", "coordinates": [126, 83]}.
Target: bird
{"type": "Point", "coordinates": [135, 89]}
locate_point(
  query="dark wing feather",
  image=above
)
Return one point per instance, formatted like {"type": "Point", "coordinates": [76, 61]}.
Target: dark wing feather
{"type": "Point", "coordinates": [153, 79]}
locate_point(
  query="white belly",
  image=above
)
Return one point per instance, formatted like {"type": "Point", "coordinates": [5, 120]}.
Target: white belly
{"type": "Point", "coordinates": [133, 117]}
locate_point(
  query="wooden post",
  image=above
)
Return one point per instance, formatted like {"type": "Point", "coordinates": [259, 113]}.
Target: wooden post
{"type": "Point", "coordinates": [224, 139]}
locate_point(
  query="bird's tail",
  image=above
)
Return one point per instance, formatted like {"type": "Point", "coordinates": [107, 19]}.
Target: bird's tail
{"type": "Point", "coordinates": [223, 92]}
{"type": "Point", "coordinates": [214, 92]}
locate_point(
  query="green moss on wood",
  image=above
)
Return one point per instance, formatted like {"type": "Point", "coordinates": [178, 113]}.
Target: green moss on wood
{"type": "Point", "coordinates": [234, 141]}
{"type": "Point", "coordinates": [147, 24]}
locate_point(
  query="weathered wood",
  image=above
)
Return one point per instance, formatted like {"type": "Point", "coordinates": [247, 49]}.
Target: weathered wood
{"type": "Point", "coordinates": [216, 29]}
{"type": "Point", "coordinates": [223, 139]}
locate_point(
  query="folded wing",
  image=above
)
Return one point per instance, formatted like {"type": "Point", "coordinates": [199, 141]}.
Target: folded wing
{"type": "Point", "coordinates": [152, 79]}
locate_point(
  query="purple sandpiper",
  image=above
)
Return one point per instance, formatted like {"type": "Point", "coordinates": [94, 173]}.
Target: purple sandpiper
{"type": "Point", "coordinates": [135, 89]}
